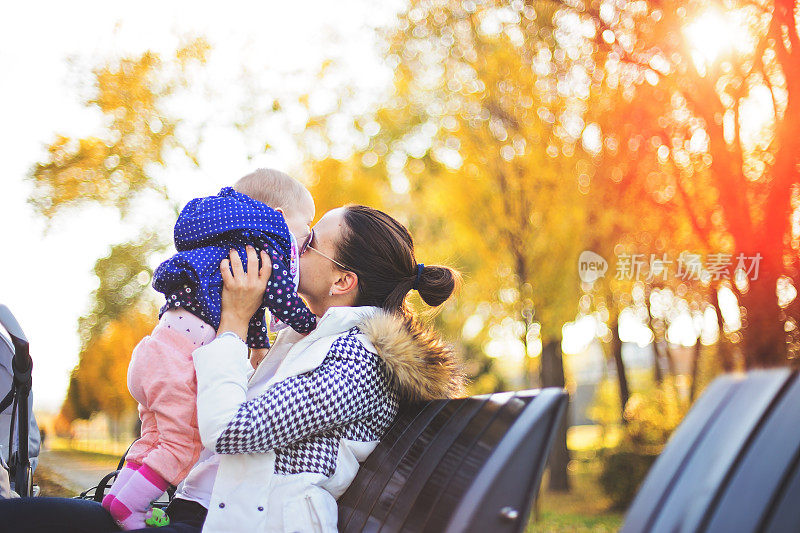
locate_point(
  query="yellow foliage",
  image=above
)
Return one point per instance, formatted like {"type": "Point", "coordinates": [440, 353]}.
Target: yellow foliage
{"type": "Point", "coordinates": [100, 379]}
{"type": "Point", "coordinates": [652, 417]}
{"type": "Point", "coordinates": [111, 170]}
{"type": "Point", "coordinates": [336, 183]}
{"type": "Point", "coordinates": [196, 50]}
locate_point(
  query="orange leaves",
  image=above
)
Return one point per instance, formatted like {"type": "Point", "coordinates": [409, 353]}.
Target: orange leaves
{"type": "Point", "coordinates": [99, 382]}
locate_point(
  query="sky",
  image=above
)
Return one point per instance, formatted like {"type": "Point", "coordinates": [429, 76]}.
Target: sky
{"type": "Point", "coordinates": [45, 276]}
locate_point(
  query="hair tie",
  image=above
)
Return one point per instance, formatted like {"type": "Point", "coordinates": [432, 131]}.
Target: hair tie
{"type": "Point", "coordinates": [420, 266]}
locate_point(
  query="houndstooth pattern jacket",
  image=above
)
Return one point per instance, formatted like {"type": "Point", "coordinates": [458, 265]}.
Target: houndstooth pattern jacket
{"type": "Point", "coordinates": [348, 396]}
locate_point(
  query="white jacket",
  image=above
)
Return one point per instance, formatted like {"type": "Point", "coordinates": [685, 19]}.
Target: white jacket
{"type": "Point", "coordinates": [290, 436]}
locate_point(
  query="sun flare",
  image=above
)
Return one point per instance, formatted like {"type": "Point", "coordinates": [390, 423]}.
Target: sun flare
{"type": "Point", "coordinates": [710, 35]}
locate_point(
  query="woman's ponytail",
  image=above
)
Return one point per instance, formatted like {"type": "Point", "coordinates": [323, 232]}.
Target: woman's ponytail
{"type": "Point", "coordinates": [380, 251]}
{"type": "Point", "coordinates": [436, 284]}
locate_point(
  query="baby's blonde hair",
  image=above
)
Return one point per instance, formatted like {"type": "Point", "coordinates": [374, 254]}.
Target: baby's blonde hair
{"type": "Point", "coordinates": [272, 187]}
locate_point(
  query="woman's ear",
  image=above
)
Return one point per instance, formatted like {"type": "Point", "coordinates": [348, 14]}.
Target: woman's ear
{"type": "Point", "coordinates": [345, 284]}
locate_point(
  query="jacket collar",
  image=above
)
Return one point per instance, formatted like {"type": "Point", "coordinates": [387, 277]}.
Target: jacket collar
{"type": "Point", "coordinates": [337, 320]}
{"type": "Point", "coordinates": [419, 363]}
{"type": "Point", "coordinates": [297, 359]}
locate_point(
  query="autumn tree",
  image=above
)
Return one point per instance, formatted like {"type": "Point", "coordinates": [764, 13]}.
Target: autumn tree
{"type": "Point", "coordinates": [99, 381]}
{"type": "Point", "coordinates": [701, 99]}
{"type": "Point", "coordinates": [478, 149]}
{"type": "Point", "coordinates": [115, 169]}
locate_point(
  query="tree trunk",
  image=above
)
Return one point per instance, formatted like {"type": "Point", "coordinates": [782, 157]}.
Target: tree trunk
{"type": "Point", "coordinates": [793, 316]}
{"type": "Point", "coordinates": [651, 323]}
{"type": "Point", "coordinates": [530, 374]}
{"type": "Point", "coordinates": [698, 348]}
{"type": "Point", "coordinates": [657, 376]}
{"type": "Point", "coordinates": [552, 375]}
{"type": "Point", "coordinates": [724, 349]}
{"type": "Point", "coordinates": [764, 335]}
{"type": "Point", "coordinates": [670, 357]}
{"type": "Point", "coordinates": [763, 331]}
{"type": "Point", "coordinates": [619, 364]}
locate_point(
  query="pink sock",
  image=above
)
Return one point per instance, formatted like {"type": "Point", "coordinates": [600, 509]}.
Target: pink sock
{"type": "Point", "coordinates": [133, 500]}
{"type": "Point", "coordinates": [122, 478]}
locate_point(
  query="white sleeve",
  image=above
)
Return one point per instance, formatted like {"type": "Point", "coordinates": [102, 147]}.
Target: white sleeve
{"type": "Point", "coordinates": [222, 371]}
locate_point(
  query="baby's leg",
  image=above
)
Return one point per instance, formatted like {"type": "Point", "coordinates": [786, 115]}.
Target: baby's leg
{"type": "Point", "coordinates": [174, 403]}
{"type": "Point", "coordinates": [149, 431]}
{"type": "Point", "coordinates": [161, 377]}
{"type": "Point", "coordinates": [130, 495]}
{"type": "Point", "coordinates": [131, 505]}
{"type": "Point", "coordinates": [172, 394]}
{"type": "Point", "coordinates": [122, 478]}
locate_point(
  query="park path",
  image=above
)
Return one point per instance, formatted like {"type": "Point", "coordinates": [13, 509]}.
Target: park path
{"type": "Point", "coordinates": [76, 471]}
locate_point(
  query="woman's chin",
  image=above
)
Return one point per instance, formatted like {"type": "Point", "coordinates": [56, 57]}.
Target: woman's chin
{"type": "Point", "coordinates": [313, 304]}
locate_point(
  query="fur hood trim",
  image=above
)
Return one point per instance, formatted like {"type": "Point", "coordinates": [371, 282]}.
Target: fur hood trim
{"type": "Point", "coordinates": [420, 365]}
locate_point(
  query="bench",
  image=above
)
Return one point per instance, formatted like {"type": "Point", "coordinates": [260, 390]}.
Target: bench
{"type": "Point", "coordinates": [732, 465]}
{"type": "Point", "coordinates": [467, 465]}
{"type": "Point", "coordinates": [475, 464]}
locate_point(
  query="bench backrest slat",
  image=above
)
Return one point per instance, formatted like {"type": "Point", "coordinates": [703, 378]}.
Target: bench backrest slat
{"type": "Point", "coordinates": [731, 464]}
{"type": "Point", "coordinates": [427, 499]}
{"type": "Point", "coordinates": [785, 515]}
{"type": "Point", "coordinates": [371, 477]}
{"type": "Point", "coordinates": [765, 470]}
{"type": "Point", "coordinates": [414, 479]}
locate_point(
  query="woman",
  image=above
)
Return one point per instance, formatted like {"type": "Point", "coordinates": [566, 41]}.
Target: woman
{"type": "Point", "coordinates": [283, 442]}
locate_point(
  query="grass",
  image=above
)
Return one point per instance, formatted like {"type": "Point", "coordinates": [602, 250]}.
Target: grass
{"type": "Point", "coordinates": [578, 523]}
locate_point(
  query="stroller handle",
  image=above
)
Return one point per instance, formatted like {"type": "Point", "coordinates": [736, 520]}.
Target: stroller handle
{"type": "Point", "coordinates": [22, 366]}
{"type": "Point", "coordinates": [22, 359]}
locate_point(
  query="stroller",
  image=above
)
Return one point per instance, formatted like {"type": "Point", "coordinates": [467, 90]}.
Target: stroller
{"type": "Point", "coordinates": [18, 426]}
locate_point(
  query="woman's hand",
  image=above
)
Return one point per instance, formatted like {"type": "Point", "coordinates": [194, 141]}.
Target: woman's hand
{"type": "Point", "coordinates": [242, 292]}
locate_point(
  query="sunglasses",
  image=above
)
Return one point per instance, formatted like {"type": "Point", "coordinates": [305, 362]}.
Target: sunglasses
{"type": "Point", "coordinates": [307, 246]}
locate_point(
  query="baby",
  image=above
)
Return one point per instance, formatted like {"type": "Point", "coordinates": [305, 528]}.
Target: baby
{"type": "Point", "coordinates": [266, 209]}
